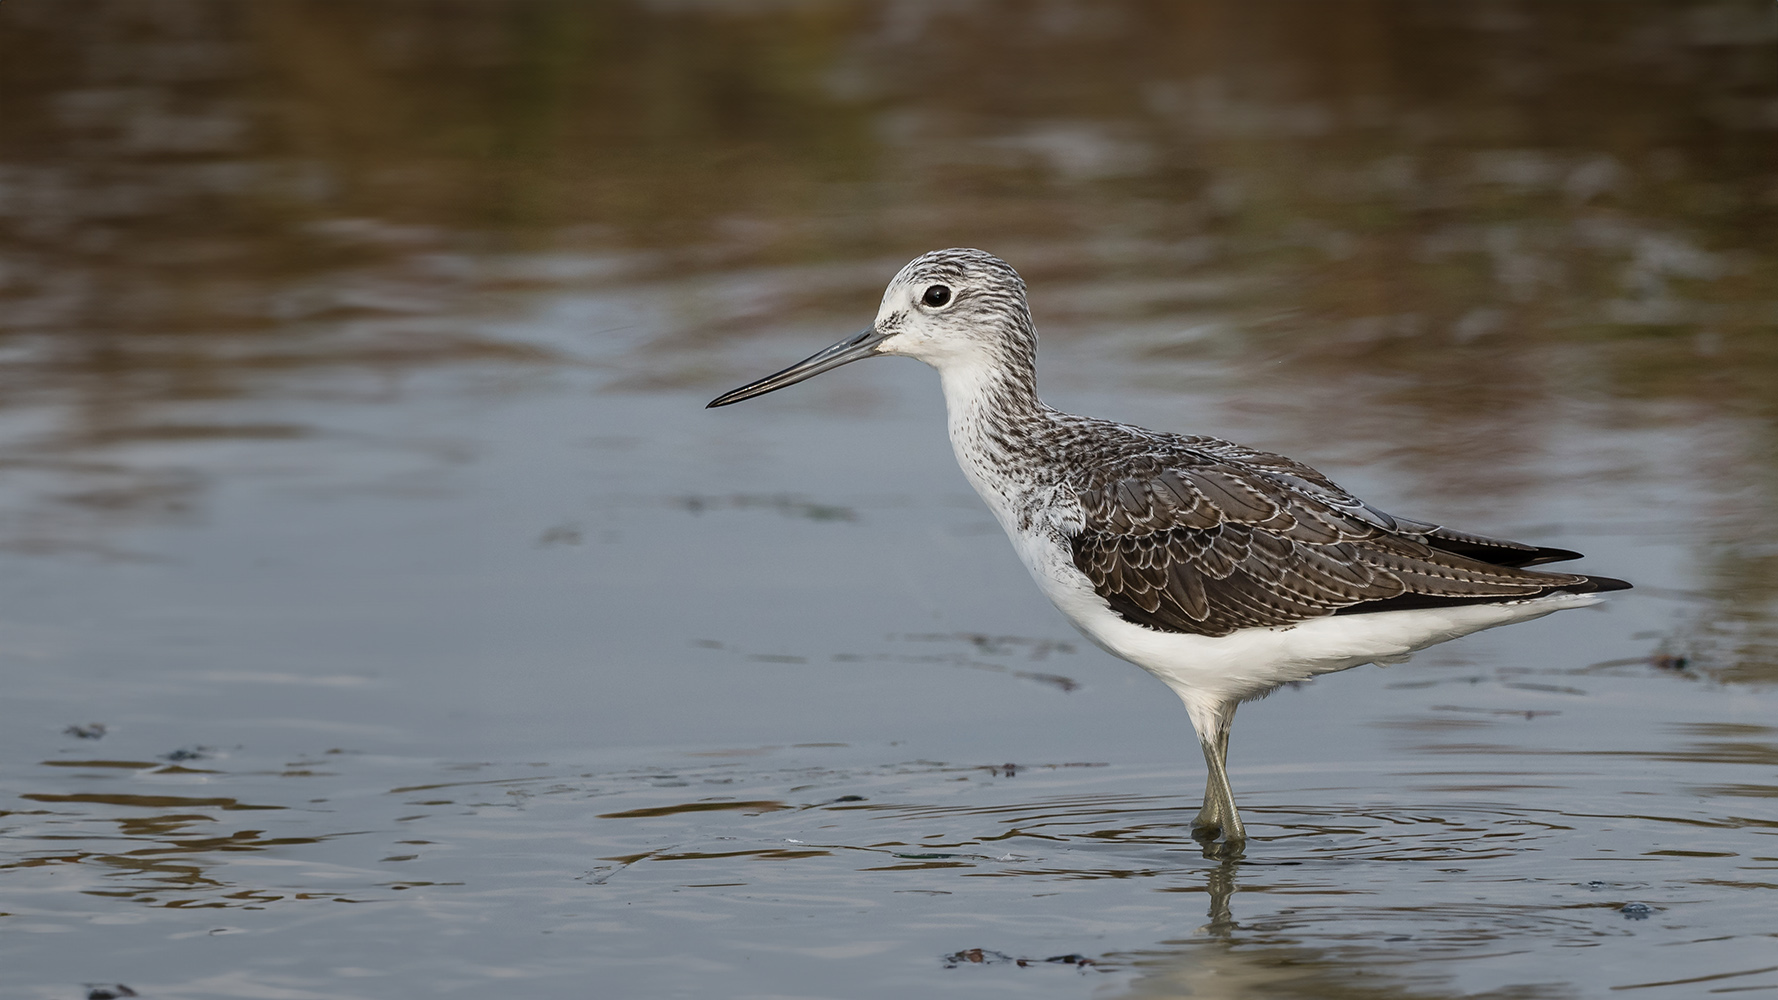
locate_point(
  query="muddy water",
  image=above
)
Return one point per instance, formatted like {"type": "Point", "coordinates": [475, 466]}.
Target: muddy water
{"type": "Point", "coordinates": [384, 616]}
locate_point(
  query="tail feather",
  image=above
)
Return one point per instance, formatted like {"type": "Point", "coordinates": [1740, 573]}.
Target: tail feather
{"type": "Point", "coordinates": [1558, 585]}
{"type": "Point", "coordinates": [1497, 551]}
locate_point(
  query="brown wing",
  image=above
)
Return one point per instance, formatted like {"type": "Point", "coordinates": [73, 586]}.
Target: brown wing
{"type": "Point", "coordinates": [1217, 541]}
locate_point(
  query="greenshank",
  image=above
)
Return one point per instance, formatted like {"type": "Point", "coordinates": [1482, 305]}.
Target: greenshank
{"type": "Point", "coordinates": [1222, 570]}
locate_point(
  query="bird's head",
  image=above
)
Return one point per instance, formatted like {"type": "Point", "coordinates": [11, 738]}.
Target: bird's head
{"type": "Point", "coordinates": [948, 308]}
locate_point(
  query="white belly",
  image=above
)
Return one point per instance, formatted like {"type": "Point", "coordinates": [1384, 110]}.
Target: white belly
{"type": "Point", "coordinates": [1207, 671]}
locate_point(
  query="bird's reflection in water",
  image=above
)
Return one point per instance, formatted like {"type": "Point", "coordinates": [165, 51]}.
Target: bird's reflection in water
{"type": "Point", "coordinates": [1222, 960]}
{"type": "Point", "coordinates": [1220, 885]}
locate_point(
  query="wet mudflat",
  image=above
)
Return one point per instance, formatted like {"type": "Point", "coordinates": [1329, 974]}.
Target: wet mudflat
{"type": "Point", "coordinates": [384, 616]}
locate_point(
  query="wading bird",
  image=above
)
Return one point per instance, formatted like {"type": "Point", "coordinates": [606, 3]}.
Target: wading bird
{"type": "Point", "coordinates": [1222, 570]}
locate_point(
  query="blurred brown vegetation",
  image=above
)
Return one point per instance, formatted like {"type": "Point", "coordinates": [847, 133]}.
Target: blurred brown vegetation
{"type": "Point", "coordinates": [1595, 163]}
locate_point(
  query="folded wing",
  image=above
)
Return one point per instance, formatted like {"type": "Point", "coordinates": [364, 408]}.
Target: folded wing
{"type": "Point", "coordinates": [1213, 539]}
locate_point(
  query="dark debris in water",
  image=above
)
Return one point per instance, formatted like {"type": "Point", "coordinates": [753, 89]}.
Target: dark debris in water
{"type": "Point", "coordinates": [985, 956]}
{"type": "Point", "coordinates": [750, 807]}
{"type": "Point", "coordinates": [1524, 713]}
{"type": "Point", "coordinates": [1035, 648]}
{"type": "Point", "coordinates": [90, 731]}
{"type": "Point", "coordinates": [107, 991]}
{"type": "Point", "coordinates": [561, 534]}
{"type": "Point", "coordinates": [189, 753]}
{"type": "Point", "coordinates": [1041, 649]}
{"type": "Point", "coordinates": [1636, 911]}
{"type": "Point", "coordinates": [788, 506]}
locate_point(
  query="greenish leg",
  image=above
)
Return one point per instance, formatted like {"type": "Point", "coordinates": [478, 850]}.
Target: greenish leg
{"type": "Point", "coordinates": [1218, 817]}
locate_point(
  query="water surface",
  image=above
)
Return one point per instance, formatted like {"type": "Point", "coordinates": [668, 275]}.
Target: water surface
{"type": "Point", "coordinates": [384, 616]}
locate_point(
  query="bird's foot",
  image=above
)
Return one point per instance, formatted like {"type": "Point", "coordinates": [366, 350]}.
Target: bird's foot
{"type": "Point", "coordinates": [1210, 822]}
{"type": "Point", "coordinates": [1217, 847]}
{"type": "Point", "coordinates": [1219, 838]}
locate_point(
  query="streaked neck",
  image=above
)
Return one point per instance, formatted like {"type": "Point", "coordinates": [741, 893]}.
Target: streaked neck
{"type": "Point", "coordinates": [994, 415]}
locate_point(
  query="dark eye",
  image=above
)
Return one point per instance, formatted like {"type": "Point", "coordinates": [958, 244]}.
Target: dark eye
{"type": "Point", "coordinates": [936, 295]}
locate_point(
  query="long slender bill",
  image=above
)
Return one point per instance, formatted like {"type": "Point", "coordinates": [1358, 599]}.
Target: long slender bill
{"type": "Point", "coordinates": [862, 345]}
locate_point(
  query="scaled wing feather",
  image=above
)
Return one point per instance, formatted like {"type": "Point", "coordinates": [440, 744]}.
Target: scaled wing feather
{"type": "Point", "coordinates": [1207, 537]}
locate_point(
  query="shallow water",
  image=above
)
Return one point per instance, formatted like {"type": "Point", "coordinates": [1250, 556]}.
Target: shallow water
{"type": "Point", "coordinates": [384, 616]}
